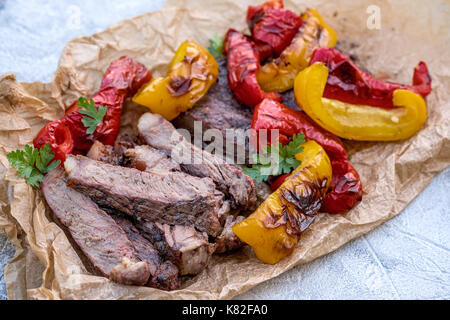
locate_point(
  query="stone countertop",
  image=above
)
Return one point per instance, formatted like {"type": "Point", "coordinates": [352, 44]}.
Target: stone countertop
{"type": "Point", "coordinates": [408, 257]}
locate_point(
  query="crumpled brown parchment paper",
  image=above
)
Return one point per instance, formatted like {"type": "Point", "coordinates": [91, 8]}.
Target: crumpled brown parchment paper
{"type": "Point", "coordinates": [47, 267]}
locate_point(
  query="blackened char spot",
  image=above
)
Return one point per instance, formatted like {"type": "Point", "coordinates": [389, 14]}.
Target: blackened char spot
{"type": "Point", "coordinates": [179, 86]}
{"type": "Point", "coordinates": [274, 219]}
{"type": "Point", "coordinates": [320, 33]}
{"type": "Point", "coordinates": [255, 19]}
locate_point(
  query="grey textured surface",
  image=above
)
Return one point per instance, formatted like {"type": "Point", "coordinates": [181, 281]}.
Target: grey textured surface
{"type": "Point", "coordinates": [405, 258]}
{"type": "Point", "coordinates": [6, 254]}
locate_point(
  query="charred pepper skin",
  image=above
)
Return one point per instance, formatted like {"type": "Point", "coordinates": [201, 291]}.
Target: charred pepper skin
{"type": "Point", "coordinates": [274, 229]}
{"type": "Point", "coordinates": [273, 25]}
{"type": "Point", "coordinates": [345, 189]}
{"type": "Point", "coordinates": [121, 80]}
{"type": "Point", "coordinates": [278, 75]}
{"type": "Point", "coordinates": [271, 115]}
{"type": "Point", "coordinates": [243, 62]}
{"type": "Point", "coordinates": [192, 71]}
{"type": "Point", "coordinates": [348, 83]}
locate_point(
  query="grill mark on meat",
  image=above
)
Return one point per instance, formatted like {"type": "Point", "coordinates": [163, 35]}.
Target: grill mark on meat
{"type": "Point", "coordinates": [163, 274]}
{"type": "Point", "coordinates": [184, 246]}
{"type": "Point", "coordinates": [168, 197]}
{"type": "Point", "coordinates": [160, 134]}
{"type": "Point", "coordinates": [96, 234]}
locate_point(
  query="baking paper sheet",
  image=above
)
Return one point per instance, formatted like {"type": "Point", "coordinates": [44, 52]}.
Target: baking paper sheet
{"type": "Point", "coordinates": [47, 267]}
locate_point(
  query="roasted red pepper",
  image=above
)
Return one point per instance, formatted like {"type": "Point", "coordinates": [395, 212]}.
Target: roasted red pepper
{"type": "Point", "coordinates": [58, 135]}
{"type": "Point", "coordinates": [347, 83]}
{"type": "Point", "coordinates": [345, 189]}
{"type": "Point", "coordinates": [122, 80]}
{"type": "Point", "coordinates": [271, 24]}
{"type": "Point", "coordinates": [279, 181]}
{"type": "Point", "coordinates": [81, 141]}
{"type": "Point", "coordinates": [243, 62]}
{"type": "Point", "coordinates": [271, 114]}
{"type": "Point", "coordinates": [263, 49]}
{"type": "Point", "coordinates": [126, 76]}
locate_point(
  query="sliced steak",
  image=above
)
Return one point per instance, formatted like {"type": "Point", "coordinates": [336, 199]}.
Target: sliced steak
{"type": "Point", "coordinates": [184, 246]}
{"type": "Point", "coordinates": [218, 109]}
{"type": "Point", "coordinates": [102, 241]}
{"type": "Point", "coordinates": [113, 154]}
{"type": "Point", "coordinates": [125, 140]}
{"type": "Point", "coordinates": [169, 197]}
{"type": "Point", "coordinates": [103, 153]}
{"type": "Point", "coordinates": [143, 158]}
{"type": "Point", "coordinates": [146, 158]}
{"type": "Point", "coordinates": [227, 240]}
{"type": "Point", "coordinates": [163, 274]}
{"type": "Point", "coordinates": [161, 134]}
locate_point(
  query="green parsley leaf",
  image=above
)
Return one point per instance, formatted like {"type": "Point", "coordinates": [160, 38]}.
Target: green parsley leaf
{"type": "Point", "coordinates": [258, 173]}
{"type": "Point", "coordinates": [276, 160]}
{"type": "Point", "coordinates": [35, 179]}
{"type": "Point", "coordinates": [33, 163]}
{"type": "Point", "coordinates": [216, 46]}
{"type": "Point", "coordinates": [93, 115]}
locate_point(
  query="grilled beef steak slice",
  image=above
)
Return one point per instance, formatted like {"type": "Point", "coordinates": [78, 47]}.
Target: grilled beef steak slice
{"type": "Point", "coordinates": [163, 274]}
{"type": "Point", "coordinates": [167, 197]}
{"type": "Point", "coordinates": [184, 246]}
{"type": "Point", "coordinates": [113, 154]}
{"type": "Point", "coordinates": [218, 109]}
{"type": "Point", "coordinates": [227, 240]}
{"type": "Point", "coordinates": [161, 134]}
{"type": "Point", "coordinates": [103, 242]}
{"type": "Point", "coordinates": [125, 140]}
{"type": "Point", "coordinates": [143, 158]}
{"type": "Point", "coordinates": [146, 158]}
{"type": "Point", "coordinates": [103, 153]}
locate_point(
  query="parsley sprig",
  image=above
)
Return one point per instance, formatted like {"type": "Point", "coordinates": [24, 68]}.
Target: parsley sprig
{"type": "Point", "coordinates": [216, 46]}
{"type": "Point", "coordinates": [33, 163]}
{"type": "Point", "coordinates": [276, 160]}
{"type": "Point", "coordinates": [93, 115]}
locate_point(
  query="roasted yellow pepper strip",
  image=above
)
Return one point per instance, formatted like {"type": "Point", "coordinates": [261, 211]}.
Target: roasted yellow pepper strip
{"type": "Point", "coordinates": [274, 229]}
{"type": "Point", "coordinates": [358, 122]}
{"type": "Point", "coordinates": [191, 73]}
{"type": "Point", "coordinates": [279, 74]}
